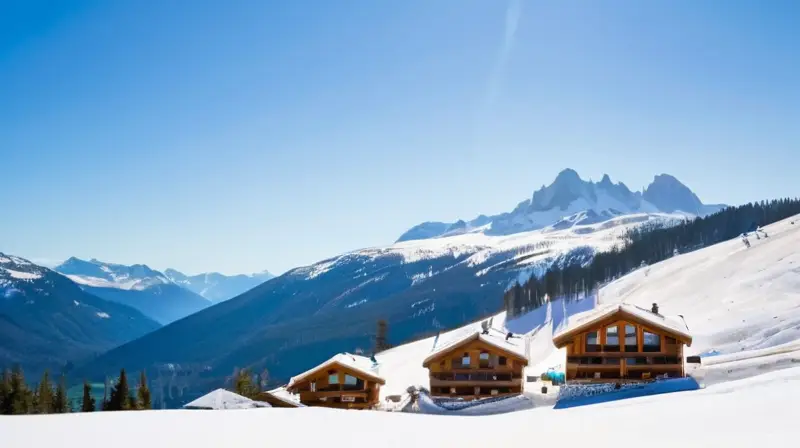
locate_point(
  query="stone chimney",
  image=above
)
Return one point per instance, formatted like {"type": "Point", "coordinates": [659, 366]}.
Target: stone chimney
{"type": "Point", "coordinates": [655, 308]}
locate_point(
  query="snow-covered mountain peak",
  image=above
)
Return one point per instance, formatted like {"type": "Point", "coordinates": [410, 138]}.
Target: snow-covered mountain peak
{"type": "Point", "coordinates": [110, 275]}
{"type": "Point", "coordinates": [15, 269]}
{"type": "Point", "coordinates": [670, 195]}
{"type": "Point", "coordinates": [215, 286]}
{"type": "Point", "coordinates": [570, 200]}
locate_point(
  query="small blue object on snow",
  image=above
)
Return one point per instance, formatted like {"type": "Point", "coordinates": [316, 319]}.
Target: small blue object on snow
{"type": "Point", "coordinates": [584, 394]}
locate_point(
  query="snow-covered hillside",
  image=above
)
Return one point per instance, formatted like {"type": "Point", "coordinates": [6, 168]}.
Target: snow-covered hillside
{"type": "Point", "coordinates": [741, 305]}
{"type": "Point", "coordinates": [47, 320]}
{"type": "Point", "coordinates": [759, 411]}
{"type": "Point", "coordinates": [525, 251]}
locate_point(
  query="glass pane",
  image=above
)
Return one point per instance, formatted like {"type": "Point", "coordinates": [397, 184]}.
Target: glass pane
{"type": "Point", "coordinates": [465, 361]}
{"type": "Point", "coordinates": [651, 342]}
{"type": "Point", "coordinates": [592, 342]}
{"type": "Point", "coordinates": [612, 336]}
{"type": "Point", "coordinates": [631, 342]}
{"type": "Point", "coordinates": [484, 356]}
{"type": "Point", "coordinates": [350, 380]}
{"type": "Point", "coordinates": [333, 378]}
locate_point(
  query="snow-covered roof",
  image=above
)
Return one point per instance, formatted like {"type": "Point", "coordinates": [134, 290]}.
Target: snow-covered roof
{"type": "Point", "coordinates": [359, 363]}
{"type": "Point", "coordinates": [285, 396]}
{"type": "Point", "coordinates": [495, 338]}
{"type": "Point", "coordinates": [225, 399]}
{"type": "Point", "coordinates": [581, 321]}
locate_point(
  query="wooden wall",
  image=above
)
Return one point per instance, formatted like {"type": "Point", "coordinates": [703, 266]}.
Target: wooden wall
{"type": "Point", "coordinates": [334, 395]}
{"type": "Point", "coordinates": [474, 381]}
{"type": "Point", "coordinates": [582, 364]}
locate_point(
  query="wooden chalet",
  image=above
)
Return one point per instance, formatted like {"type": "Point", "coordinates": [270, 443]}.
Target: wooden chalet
{"type": "Point", "coordinates": [345, 381]}
{"type": "Point", "coordinates": [623, 342]}
{"type": "Point", "coordinates": [477, 365]}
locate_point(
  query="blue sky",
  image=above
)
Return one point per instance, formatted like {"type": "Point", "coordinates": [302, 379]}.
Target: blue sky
{"type": "Point", "coordinates": [249, 135]}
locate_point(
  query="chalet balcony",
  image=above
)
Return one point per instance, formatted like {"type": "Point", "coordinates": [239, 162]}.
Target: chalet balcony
{"type": "Point", "coordinates": [315, 396]}
{"type": "Point", "coordinates": [474, 378]}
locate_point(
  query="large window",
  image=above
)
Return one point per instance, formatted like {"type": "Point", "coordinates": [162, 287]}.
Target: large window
{"type": "Point", "coordinates": [631, 342]}
{"type": "Point", "coordinates": [465, 362]}
{"type": "Point", "coordinates": [353, 383]}
{"type": "Point", "coordinates": [651, 342]}
{"type": "Point", "coordinates": [484, 360]}
{"type": "Point", "coordinates": [592, 342]}
{"type": "Point", "coordinates": [501, 360]}
{"type": "Point", "coordinates": [612, 339]}
{"type": "Point", "coordinates": [333, 377]}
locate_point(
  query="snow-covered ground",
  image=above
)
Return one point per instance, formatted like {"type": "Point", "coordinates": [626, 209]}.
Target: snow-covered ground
{"type": "Point", "coordinates": [741, 305]}
{"type": "Point", "coordinates": [734, 300]}
{"type": "Point", "coordinates": [758, 411]}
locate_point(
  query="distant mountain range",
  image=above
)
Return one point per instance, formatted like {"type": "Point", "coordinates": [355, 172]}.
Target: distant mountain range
{"type": "Point", "coordinates": [46, 320]}
{"type": "Point", "coordinates": [217, 287]}
{"type": "Point", "coordinates": [138, 286]}
{"type": "Point", "coordinates": [571, 201]}
{"type": "Point", "coordinates": [440, 275]}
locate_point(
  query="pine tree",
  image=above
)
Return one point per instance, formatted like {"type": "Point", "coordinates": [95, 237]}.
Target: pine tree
{"type": "Point", "coordinates": [60, 400]}
{"type": "Point", "coordinates": [120, 394]}
{"type": "Point", "coordinates": [244, 384]}
{"type": "Point", "coordinates": [45, 395]}
{"type": "Point", "coordinates": [133, 403]}
{"type": "Point", "coordinates": [144, 393]}
{"type": "Point", "coordinates": [20, 398]}
{"type": "Point", "coordinates": [88, 403]}
{"type": "Point", "coordinates": [5, 393]}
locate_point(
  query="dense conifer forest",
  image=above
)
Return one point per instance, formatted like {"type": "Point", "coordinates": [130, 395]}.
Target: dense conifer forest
{"type": "Point", "coordinates": [17, 397]}
{"type": "Point", "coordinates": [646, 245]}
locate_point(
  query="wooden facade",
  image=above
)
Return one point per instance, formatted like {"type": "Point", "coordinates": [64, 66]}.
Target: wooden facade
{"type": "Point", "coordinates": [337, 385]}
{"type": "Point", "coordinates": [623, 346]}
{"type": "Point", "coordinates": [475, 369]}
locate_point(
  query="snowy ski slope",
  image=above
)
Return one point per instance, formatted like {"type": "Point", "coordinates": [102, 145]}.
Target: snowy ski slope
{"type": "Point", "coordinates": [741, 305]}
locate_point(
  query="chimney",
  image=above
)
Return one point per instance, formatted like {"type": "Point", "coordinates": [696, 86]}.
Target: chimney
{"type": "Point", "coordinates": [655, 308]}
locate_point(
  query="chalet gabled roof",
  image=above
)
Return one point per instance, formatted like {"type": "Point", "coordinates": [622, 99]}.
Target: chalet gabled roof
{"type": "Point", "coordinates": [224, 399]}
{"type": "Point", "coordinates": [583, 321]}
{"type": "Point", "coordinates": [496, 338]}
{"type": "Point", "coordinates": [285, 396]}
{"type": "Point", "coordinates": [358, 363]}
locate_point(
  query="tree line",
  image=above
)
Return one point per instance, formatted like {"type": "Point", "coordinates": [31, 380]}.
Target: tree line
{"type": "Point", "coordinates": [17, 397]}
{"type": "Point", "coordinates": [644, 245]}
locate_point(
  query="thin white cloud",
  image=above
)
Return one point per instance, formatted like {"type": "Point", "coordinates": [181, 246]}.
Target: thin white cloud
{"type": "Point", "coordinates": [513, 15]}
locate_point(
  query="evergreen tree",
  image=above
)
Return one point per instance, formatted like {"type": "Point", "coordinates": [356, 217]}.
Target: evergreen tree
{"type": "Point", "coordinates": [144, 393]}
{"type": "Point", "coordinates": [5, 393]}
{"type": "Point", "coordinates": [120, 394]}
{"type": "Point", "coordinates": [44, 395]}
{"type": "Point", "coordinates": [133, 403]}
{"type": "Point", "coordinates": [20, 397]}
{"type": "Point", "coordinates": [87, 404]}
{"type": "Point", "coordinates": [60, 400]}
{"type": "Point", "coordinates": [244, 384]}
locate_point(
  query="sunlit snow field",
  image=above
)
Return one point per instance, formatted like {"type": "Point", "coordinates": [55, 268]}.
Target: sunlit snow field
{"type": "Point", "coordinates": [741, 305]}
